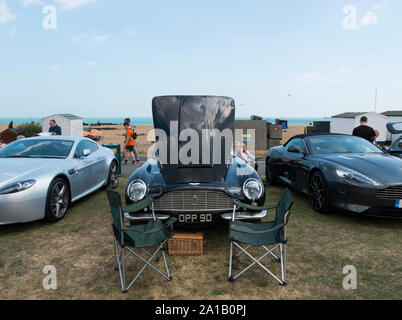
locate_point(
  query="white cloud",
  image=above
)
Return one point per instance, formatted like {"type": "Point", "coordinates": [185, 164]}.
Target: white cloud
{"type": "Point", "coordinates": [12, 32]}
{"type": "Point", "coordinates": [381, 5]}
{"type": "Point", "coordinates": [54, 67]}
{"type": "Point", "coordinates": [369, 19]}
{"type": "Point", "coordinates": [98, 39]}
{"type": "Point", "coordinates": [345, 70]}
{"type": "Point", "coordinates": [88, 40]}
{"type": "Point", "coordinates": [129, 31]}
{"type": "Point", "coordinates": [5, 14]}
{"type": "Point", "coordinates": [89, 64]}
{"type": "Point", "coordinates": [310, 77]}
{"type": "Point", "coordinates": [73, 4]}
{"type": "Point", "coordinates": [27, 3]}
{"type": "Point", "coordinates": [318, 77]}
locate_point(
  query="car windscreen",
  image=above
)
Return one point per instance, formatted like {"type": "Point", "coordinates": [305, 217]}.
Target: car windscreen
{"type": "Point", "coordinates": [54, 149]}
{"type": "Point", "coordinates": [397, 145]}
{"type": "Point", "coordinates": [340, 144]}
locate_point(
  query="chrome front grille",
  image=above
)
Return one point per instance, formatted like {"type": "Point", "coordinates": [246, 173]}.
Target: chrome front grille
{"type": "Point", "coordinates": [391, 193]}
{"type": "Point", "coordinates": [194, 200]}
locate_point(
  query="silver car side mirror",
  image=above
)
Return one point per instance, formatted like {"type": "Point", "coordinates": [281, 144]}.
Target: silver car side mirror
{"type": "Point", "coordinates": [86, 152]}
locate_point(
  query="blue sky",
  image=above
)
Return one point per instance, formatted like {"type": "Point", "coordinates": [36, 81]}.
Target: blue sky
{"type": "Point", "coordinates": [286, 58]}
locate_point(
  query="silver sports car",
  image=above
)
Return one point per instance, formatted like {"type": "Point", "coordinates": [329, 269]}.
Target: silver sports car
{"type": "Point", "coordinates": [41, 176]}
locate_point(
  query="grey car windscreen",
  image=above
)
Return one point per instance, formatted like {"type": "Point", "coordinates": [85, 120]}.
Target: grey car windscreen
{"type": "Point", "coordinates": [340, 144]}
{"type": "Point", "coordinates": [50, 149]}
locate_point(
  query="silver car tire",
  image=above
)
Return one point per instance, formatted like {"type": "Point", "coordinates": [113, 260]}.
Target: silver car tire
{"type": "Point", "coordinates": [58, 200]}
{"type": "Point", "coordinates": [113, 175]}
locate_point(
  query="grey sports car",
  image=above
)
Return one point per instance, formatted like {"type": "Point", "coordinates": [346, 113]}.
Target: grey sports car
{"type": "Point", "coordinates": [40, 177]}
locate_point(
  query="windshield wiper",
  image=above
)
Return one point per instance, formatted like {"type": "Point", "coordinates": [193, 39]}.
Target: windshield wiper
{"type": "Point", "coordinates": [49, 157]}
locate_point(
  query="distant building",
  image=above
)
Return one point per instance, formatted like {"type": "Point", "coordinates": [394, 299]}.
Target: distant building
{"type": "Point", "coordinates": [253, 132]}
{"type": "Point", "coordinates": [345, 123]}
{"type": "Point", "coordinates": [11, 134]}
{"type": "Point", "coordinates": [70, 124]}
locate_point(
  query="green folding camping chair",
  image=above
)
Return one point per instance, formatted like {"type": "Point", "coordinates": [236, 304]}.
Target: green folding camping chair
{"type": "Point", "coordinates": [137, 238]}
{"type": "Point", "coordinates": [261, 235]}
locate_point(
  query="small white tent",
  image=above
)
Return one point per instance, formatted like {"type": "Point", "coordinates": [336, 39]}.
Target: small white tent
{"type": "Point", "coordinates": [71, 125]}
{"type": "Point", "coordinates": [345, 123]}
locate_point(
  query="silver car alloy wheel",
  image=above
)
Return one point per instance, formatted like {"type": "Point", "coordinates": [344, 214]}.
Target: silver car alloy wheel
{"type": "Point", "coordinates": [114, 174]}
{"type": "Point", "coordinates": [59, 199]}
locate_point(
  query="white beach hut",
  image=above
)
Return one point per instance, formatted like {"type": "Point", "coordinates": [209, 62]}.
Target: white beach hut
{"type": "Point", "coordinates": [345, 123]}
{"type": "Point", "coordinates": [70, 124]}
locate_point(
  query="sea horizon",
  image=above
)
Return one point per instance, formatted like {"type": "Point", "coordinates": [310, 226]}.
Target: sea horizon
{"type": "Point", "coordinates": [149, 121]}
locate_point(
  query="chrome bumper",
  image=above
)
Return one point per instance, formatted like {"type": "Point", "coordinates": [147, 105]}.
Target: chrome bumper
{"type": "Point", "coordinates": [145, 217]}
{"type": "Point", "coordinates": [246, 215]}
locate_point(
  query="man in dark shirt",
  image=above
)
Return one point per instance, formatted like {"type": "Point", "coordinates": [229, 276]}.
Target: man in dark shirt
{"type": "Point", "coordinates": [364, 131]}
{"type": "Point", "coordinates": [54, 129]}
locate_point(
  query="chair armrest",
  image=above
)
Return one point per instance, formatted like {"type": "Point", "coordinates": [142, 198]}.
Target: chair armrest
{"type": "Point", "coordinates": [170, 222]}
{"type": "Point", "coordinates": [250, 207]}
{"type": "Point", "coordinates": [250, 231]}
{"type": "Point", "coordinates": [138, 205]}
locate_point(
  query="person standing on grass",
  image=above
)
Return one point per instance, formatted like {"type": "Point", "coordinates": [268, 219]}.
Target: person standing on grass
{"type": "Point", "coordinates": [129, 144]}
{"type": "Point", "coordinates": [54, 129]}
{"type": "Point", "coordinates": [364, 131]}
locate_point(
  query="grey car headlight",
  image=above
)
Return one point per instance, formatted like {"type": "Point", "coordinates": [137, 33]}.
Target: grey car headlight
{"type": "Point", "coordinates": [253, 189]}
{"type": "Point", "coordinates": [17, 186]}
{"type": "Point", "coordinates": [354, 176]}
{"type": "Point", "coordinates": [137, 189]}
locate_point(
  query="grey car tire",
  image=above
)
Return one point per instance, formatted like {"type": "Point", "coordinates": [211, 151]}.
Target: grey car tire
{"type": "Point", "coordinates": [58, 200]}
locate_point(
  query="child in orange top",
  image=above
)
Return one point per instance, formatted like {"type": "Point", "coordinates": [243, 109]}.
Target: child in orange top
{"type": "Point", "coordinates": [129, 144]}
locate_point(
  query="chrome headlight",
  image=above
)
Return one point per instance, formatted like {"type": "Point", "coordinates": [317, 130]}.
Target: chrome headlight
{"type": "Point", "coordinates": [253, 189]}
{"type": "Point", "coordinates": [137, 189]}
{"type": "Point", "coordinates": [17, 186]}
{"type": "Point", "coordinates": [354, 176]}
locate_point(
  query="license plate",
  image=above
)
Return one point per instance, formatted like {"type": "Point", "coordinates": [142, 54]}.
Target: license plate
{"type": "Point", "coordinates": [398, 204]}
{"type": "Point", "coordinates": [195, 218]}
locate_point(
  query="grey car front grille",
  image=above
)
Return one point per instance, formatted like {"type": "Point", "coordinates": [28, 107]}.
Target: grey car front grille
{"type": "Point", "coordinates": [391, 193]}
{"type": "Point", "coordinates": [194, 200]}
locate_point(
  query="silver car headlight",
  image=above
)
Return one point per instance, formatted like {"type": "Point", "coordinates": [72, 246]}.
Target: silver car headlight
{"type": "Point", "coordinates": [137, 189]}
{"type": "Point", "coordinates": [354, 176]}
{"type": "Point", "coordinates": [17, 186]}
{"type": "Point", "coordinates": [253, 189]}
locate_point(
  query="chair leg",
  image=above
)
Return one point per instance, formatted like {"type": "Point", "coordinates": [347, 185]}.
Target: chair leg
{"type": "Point", "coordinates": [123, 271]}
{"type": "Point", "coordinates": [147, 263]}
{"type": "Point", "coordinates": [236, 256]}
{"type": "Point", "coordinates": [149, 255]}
{"type": "Point", "coordinates": [116, 253]}
{"type": "Point", "coordinates": [256, 261]}
{"type": "Point", "coordinates": [230, 278]}
{"type": "Point", "coordinates": [164, 260]}
{"type": "Point", "coordinates": [283, 263]}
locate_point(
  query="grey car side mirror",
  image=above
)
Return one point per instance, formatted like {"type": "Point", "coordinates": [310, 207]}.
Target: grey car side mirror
{"type": "Point", "coordinates": [294, 149]}
{"type": "Point", "coordinates": [86, 152]}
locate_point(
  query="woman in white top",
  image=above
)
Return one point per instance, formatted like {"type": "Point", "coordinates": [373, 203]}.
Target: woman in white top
{"type": "Point", "coordinates": [247, 156]}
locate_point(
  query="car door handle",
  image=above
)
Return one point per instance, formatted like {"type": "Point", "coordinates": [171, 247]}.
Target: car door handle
{"type": "Point", "coordinates": [73, 171]}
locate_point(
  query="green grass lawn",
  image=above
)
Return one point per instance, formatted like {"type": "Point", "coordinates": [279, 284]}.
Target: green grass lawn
{"type": "Point", "coordinates": [81, 249]}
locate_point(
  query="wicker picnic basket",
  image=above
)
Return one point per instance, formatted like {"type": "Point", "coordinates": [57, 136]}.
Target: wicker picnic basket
{"type": "Point", "coordinates": [186, 244]}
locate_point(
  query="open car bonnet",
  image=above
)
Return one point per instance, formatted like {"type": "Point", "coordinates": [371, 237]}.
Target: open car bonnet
{"type": "Point", "coordinates": [394, 127]}
{"type": "Point", "coordinates": [173, 115]}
